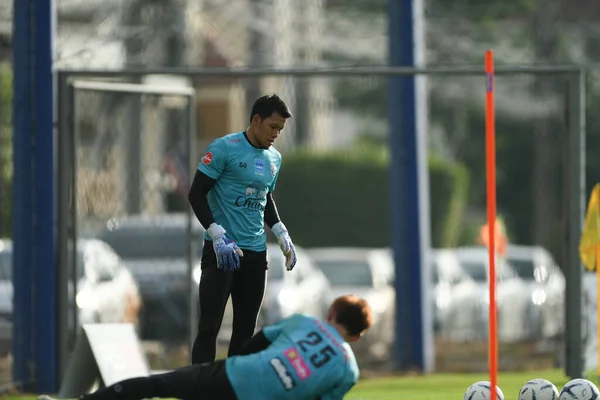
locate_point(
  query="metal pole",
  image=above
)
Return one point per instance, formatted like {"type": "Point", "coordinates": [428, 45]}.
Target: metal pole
{"type": "Point", "coordinates": [405, 174]}
{"type": "Point", "coordinates": [22, 196]}
{"type": "Point", "coordinates": [65, 101]}
{"type": "Point", "coordinates": [581, 132]}
{"type": "Point", "coordinates": [576, 187]}
{"type": "Point", "coordinates": [328, 71]}
{"type": "Point", "coordinates": [132, 88]}
{"type": "Point", "coordinates": [576, 127]}
{"type": "Point", "coordinates": [72, 265]}
{"type": "Point", "coordinates": [44, 245]}
{"type": "Point", "coordinates": [192, 239]}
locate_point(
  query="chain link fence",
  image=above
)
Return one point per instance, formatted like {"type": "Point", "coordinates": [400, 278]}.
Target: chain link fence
{"type": "Point", "coordinates": [6, 173]}
{"type": "Point", "coordinates": [131, 173]}
{"type": "Point", "coordinates": [127, 164]}
{"type": "Point", "coordinates": [335, 169]}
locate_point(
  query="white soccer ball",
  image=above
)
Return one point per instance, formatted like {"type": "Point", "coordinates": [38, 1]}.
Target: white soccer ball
{"type": "Point", "coordinates": [481, 391]}
{"type": "Point", "coordinates": [538, 389]}
{"type": "Point", "coordinates": [579, 389]}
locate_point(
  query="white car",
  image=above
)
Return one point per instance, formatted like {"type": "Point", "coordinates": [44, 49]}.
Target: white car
{"type": "Point", "coordinates": [365, 272]}
{"type": "Point", "coordinates": [536, 266]}
{"type": "Point", "coordinates": [519, 318]}
{"type": "Point", "coordinates": [589, 321]}
{"type": "Point", "coordinates": [106, 290]}
{"type": "Point", "coordinates": [459, 313]}
{"type": "Point", "coordinates": [154, 249]}
{"type": "Point", "coordinates": [303, 290]}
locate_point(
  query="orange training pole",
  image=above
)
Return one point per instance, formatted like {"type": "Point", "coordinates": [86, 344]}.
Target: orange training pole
{"type": "Point", "coordinates": [490, 150]}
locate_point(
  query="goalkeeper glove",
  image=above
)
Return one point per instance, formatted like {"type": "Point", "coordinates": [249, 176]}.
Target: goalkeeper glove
{"type": "Point", "coordinates": [228, 253]}
{"type": "Point", "coordinates": [285, 244]}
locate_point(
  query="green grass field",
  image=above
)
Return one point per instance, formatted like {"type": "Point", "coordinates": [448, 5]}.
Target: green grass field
{"type": "Point", "coordinates": [434, 387]}
{"type": "Point", "coordinates": [447, 386]}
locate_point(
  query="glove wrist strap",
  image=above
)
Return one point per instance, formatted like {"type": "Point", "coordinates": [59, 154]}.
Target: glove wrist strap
{"type": "Point", "coordinates": [215, 231]}
{"type": "Point", "coordinates": [279, 229]}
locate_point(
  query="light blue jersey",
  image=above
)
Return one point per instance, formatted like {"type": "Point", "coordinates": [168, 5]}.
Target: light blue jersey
{"type": "Point", "coordinates": [244, 176]}
{"type": "Point", "coordinates": [307, 359]}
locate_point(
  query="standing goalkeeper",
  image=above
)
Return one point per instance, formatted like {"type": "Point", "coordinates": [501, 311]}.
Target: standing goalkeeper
{"type": "Point", "coordinates": [231, 196]}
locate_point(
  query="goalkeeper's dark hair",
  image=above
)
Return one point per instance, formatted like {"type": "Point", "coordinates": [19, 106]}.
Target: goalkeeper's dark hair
{"type": "Point", "coordinates": [268, 105]}
{"type": "Point", "coordinates": [353, 313]}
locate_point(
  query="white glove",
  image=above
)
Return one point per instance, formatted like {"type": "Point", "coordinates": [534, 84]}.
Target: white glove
{"type": "Point", "coordinates": [285, 244]}
{"type": "Point", "coordinates": [227, 252]}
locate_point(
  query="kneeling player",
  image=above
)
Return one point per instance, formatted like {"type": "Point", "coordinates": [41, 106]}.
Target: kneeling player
{"type": "Point", "coordinates": [299, 358]}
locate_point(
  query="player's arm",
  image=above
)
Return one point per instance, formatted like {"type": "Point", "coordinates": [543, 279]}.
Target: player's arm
{"type": "Point", "coordinates": [209, 170]}
{"type": "Point", "coordinates": [279, 230]}
{"type": "Point", "coordinates": [271, 213]}
{"type": "Point", "coordinates": [343, 385]}
{"type": "Point", "coordinates": [263, 339]}
{"type": "Point", "coordinates": [256, 343]}
{"type": "Point", "coordinates": [197, 197]}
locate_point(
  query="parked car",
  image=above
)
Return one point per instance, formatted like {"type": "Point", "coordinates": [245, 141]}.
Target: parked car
{"type": "Point", "coordinates": [106, 290]}
{"type": "Point", "coordinates": [518, 317]}
{"type": "Point", "coordinates": [6, 297]}
{"type": "Point", "coordinates": [365, 272]}
{"type": "Point", "coordinates": [589, 328]}
{"type": "Point", "coordinates": [302, 290]}
{"type": "Point", "coordinates": [459, 313]}
{"type": "Point", "coordinates": [536, 266]}
{"type": "Point", "coordinates": [154, 249]}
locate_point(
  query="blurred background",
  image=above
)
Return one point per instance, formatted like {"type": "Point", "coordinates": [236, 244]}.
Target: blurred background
{"type": "Point", "coordinates": [132, 165]}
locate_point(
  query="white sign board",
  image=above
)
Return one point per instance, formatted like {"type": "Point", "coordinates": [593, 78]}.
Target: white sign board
{"type": "Point", "coordinates": [109, 352]}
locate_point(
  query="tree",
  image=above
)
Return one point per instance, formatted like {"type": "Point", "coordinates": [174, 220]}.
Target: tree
{"type": "Point", "coordinates": [6, 168]}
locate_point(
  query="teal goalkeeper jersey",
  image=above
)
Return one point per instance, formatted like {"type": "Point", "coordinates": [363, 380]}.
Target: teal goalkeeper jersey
{"type": "Point", "coordinates": [244, 176]}
{"type": "Point", "coordinates": [307, 359]}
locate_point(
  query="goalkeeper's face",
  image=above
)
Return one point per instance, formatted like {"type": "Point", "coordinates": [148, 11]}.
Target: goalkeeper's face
{"type": "Point", "coordinates": [269, 129]}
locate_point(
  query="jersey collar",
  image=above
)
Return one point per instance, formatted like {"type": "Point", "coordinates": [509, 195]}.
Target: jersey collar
{"type": "Point", "coordinates": [250, 143]}
{"type": "Point", "coordinates": [335, 331]}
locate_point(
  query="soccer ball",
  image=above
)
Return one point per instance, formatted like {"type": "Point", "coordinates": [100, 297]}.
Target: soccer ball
{"type": "Point", "coordinates": [481, 391]}
{"type": "Point", "coordinates": [538, 389]}
{"type": "Point", "coordinates": [579, 389]}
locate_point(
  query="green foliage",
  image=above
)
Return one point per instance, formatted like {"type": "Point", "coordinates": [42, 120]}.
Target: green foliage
{"type": "Point", "coordinates": [357, 8]}
{"type": "Point", "coordinates": [515, 141]}
{"type": "Point", "coordinates": [364, 96]}
{"type": "Point", "coordinates": [592, 143]}
{"type": "Point", "coordinates": [347, 191]}
{"type": "Point", "coordinates": [530, 27]}
{"type": "Point", "coordinates": [447, 213]}
{"type": "Point", "coordinates": [483, 11]}
{"type": "Point", "coordinates": [6, 170]}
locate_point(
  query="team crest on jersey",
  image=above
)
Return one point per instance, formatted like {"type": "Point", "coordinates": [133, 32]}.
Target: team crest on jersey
{"type": "Point", "coordinates": [273, 170]}
{"type": "Point", "coordinates": [207, 159]}
{"type": "Point", "coordinates": [259, 167]}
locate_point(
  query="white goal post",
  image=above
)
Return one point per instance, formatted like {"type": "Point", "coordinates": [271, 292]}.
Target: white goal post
{"type": "Point", "coordinates": [173, 92]}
